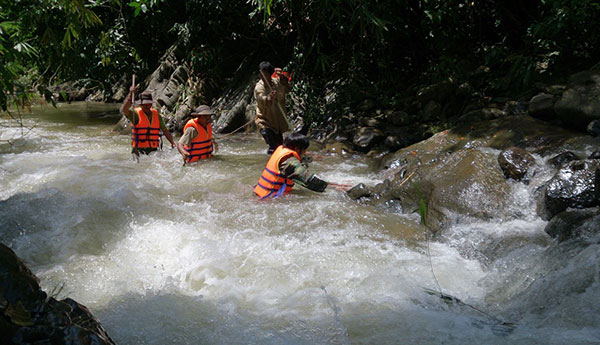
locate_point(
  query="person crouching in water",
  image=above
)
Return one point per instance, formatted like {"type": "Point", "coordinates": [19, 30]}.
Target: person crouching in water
{"type": "Point", "coordinates": [285, 168]}
{"type": "Point", "coordinates": [146, 124]}
{"type": "Point", "coordinates": [197, 142]}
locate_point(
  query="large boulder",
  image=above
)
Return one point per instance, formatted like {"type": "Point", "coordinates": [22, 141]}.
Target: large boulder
{"type": "Point", "coordinates": [366, 138]}
{"type": "Point", "coordinates": [542, 107]}
{"type": "Point", "coordinates": [234, 106]}
{"type": "Point", "coordinates": [575, 185]}
{"type": "Point", "coordinates": [456, 172]}
{"type": "Point", "coordinates": [593, 128]}
{"type": "Point", "coordinates": [29, 316]}
{"type": "Point", "coordinates": [574, 223]}
{"type": "Point", "coordinates": [580, 102]}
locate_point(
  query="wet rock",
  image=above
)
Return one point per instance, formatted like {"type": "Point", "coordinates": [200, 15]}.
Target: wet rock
{"type": "Point", "coordinates": [515, 162]}
{"type": "Point", "coordinates": [234, 108]}
{"type": "Point", "coordinates": [431, 111]}
{"type": "Point", "coordinates": [575, 185]}
{"type": "Point", "coordinates": [359, 191]}
{"type": "Point", "coordinates": [438, 92]}
{"type": "Point", "coordinates": [563, 158]}
{"type": "Point", "coordinates": [580, 102]}
{"type": "Point", "coordinates": [594, 155]}
{"type": "Point", "coordinates": [574, 223]}
{"type": "Point", "coordinates": [542, 107]}
{"type": "Point", "coordinates": [399, 118]}
{"type": "Point", "coordinates": [484, 114]}
{"type": "Point", "coordinates": [338, 147]}
{"type": "Point", "coordinates": [28, 315]}
{"type": "Point", "coordinates": [593, 128]}
{"type": "Point", "coordinates": [367, 137]}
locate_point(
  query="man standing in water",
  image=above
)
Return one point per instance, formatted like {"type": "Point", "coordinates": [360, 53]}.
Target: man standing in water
{"type": "Point", "coordinates": [285, 168]}
{"type": "Point", "coordinates": [270, 100]}
{"type": "Point", "coordinates": [197, 142]}
{"type": "Point", "coordinates": [146, 124]}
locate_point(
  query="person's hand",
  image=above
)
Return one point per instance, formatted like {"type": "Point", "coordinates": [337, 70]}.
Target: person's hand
{"type": "Point", "coordinates": [186, 157]}
{"type": "Point", "coordinates": [215, 147]}
{"type": "Point", "coordinates": [272, 95]}
{"type": "Point", "coordinates": [133, 88]}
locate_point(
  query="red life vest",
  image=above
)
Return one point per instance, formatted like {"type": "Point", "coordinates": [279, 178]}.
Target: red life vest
{"type": "Point", "coordinates": [272, 180]}
{"type": "Point", "coordinates": [145, 134]}
{"type": "Point", "coordinates": [201, 146]}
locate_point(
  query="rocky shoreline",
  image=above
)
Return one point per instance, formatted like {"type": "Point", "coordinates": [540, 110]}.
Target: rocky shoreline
{"type": "Point", "coordinates": [31, 316]}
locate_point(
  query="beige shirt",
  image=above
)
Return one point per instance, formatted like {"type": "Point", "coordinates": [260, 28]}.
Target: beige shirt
{"type": "Point", "coordinates": [269, 113]}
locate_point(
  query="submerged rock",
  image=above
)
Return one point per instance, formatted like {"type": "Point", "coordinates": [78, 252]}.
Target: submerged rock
{"type": "Point", "coordinates": [30, 316]}
{"type": "Point", "coordinates": [574, 223]}
{"type": "Point", "coordinates": [515, 162]}
{"type": "Point", "coordinates": [359, 191]}
{"type": "Point", "coordinates": [575, 185]}
{"type": "Point", "coordinates": [563, 158]}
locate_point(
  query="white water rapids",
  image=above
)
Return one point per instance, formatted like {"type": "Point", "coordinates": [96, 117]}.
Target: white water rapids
{"type": "Point", "coordinates": [166, 254]}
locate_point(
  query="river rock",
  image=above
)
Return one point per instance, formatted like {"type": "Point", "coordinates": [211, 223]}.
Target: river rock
{"type": "Point", "coordinates": [594, 155]}
{"type": "Point", "coordinates": [29, 316]}
{"type": "Point", "coordinates": [338, 147]}
{"type": "Point", "coordinates": [593, 128]}
{"type": "Point", "coordinates": [359, 191]}
{"type": "Point", "coordinates": [233, 106]}
{"type": "Point", "coordinates": [542, 107]}
{"type": "Point", "coordinates": [367, 137]}
{"type": "Point", "coordinates": [563, 158]}
{"type": "Point", "coordinates": [580, 102]}
{"type": "Point", "coordinates": [574, 185]}
{"type": "Point", "coordinates": [574, 223]}
{"type": "Point", "coordinates": [515, 162]}
{"type": "Point", "coordinates": [399, 118]}
{"type": "Point", "coordinates": [438, 92]}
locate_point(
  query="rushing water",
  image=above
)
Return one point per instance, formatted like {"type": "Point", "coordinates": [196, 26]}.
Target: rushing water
{"type": "Point", "coordinates": [167, 254]}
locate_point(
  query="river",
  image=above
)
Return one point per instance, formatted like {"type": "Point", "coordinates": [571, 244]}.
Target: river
{"type": "Point", "coordinates": [167, 254]}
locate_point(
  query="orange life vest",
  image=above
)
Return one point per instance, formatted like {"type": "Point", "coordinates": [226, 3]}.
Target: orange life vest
{"type": "Point", "coordinates": [145, 134]}
{"type": "Point", "coordinates": [201, 146]}
{"type": "Point", "coordinates": [271, 181]}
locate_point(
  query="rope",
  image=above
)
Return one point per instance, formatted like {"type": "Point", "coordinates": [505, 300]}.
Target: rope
{"type": "Point", "coordinates": [232, 132]}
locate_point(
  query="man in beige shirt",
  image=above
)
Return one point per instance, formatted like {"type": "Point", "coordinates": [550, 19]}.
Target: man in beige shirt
{"type": "Point", "coordinates": [270, 110]}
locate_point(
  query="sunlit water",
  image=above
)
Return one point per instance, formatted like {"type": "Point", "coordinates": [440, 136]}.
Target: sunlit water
{"type": "Point", "coordinates": [167, 254]}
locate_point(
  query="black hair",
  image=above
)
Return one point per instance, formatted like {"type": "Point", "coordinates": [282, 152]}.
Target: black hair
{"type": "Point", "coordinates": [266, 66]}
{"type": "Point", "coordinates": [296, 141]}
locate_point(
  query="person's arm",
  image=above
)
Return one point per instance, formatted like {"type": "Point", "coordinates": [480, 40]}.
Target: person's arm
{"type": "Point", "coordinates": [186, 140]}
{"type": "Point", "coordinates": [295, 170]}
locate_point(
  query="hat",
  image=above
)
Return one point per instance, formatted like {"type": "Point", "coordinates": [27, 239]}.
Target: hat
{"type": "Point", "coordinates": [202, 110]}
{"type": "Point", "coordinates": [144, 98]}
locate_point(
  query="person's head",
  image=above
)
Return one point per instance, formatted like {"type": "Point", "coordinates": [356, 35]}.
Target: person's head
{"type": "Point", "coordinates": [145, 101]}
{"type": "Point", "coordinates": [266, 69]}
{"type": "Point", "coordinates": [296, 141]}
{"type": "Point", "coordinates": [202, 115]}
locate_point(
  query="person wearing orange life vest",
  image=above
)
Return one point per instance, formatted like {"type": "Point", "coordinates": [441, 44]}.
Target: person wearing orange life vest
{"type": "Point", "coordinates": [197, 142]}
{"type": "Point", "coordinates": [146, 123]}
{"type": "Point", "coordinates": [285, 168]}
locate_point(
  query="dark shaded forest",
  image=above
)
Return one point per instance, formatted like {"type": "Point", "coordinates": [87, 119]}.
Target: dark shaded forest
{"type": "Point", "coordinates": [380, 51]}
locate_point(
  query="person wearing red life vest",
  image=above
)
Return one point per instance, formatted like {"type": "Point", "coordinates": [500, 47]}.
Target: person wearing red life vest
{"type": "Point", "coordinates": [197, 142]}
{"type": "Point", "coordinates": [285, 169]}
{"type": "Point", "coordinates": [146, 123]}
